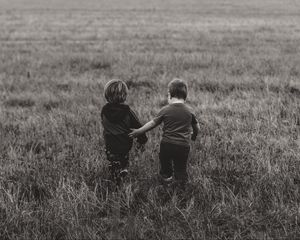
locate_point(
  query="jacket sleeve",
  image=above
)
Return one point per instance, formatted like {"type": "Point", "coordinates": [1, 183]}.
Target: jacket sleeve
{"type": "Point", "coordinates": [135, 123]}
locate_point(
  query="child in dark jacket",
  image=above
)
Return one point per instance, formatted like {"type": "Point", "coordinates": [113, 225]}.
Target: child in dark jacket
{"type": "Point", "coordinates": [117, 120]}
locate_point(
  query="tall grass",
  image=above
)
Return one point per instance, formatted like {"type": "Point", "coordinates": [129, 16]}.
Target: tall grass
{"type": "Point", "coordinates": [242, 67]}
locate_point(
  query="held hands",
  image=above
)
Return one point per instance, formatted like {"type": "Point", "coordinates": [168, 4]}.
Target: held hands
{"type": "Point", "coordinates": [194, 136]}
{"type": "Point", "coordinates": [134, 133]}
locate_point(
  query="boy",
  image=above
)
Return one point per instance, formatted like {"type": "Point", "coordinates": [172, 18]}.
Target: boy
{"type": "Point", "coordinates": [175, 144]}
{"type": "Point", "coordinates": [117, 120]}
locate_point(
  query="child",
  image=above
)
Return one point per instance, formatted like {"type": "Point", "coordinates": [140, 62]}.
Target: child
{"type": "Point", "coordinates": [175, 144]}
{"type": "Point", "coordinates": [117, 120]}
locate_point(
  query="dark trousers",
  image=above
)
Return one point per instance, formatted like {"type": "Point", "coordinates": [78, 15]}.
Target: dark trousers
{"type": "Point", "coordinates": [173, 159]}
{"type": "Point", "coordinates": [117, 164]}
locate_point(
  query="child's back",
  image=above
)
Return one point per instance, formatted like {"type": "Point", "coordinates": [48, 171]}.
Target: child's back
{"type": "Point", "coordinates": [177, 119]}
{"type": "Point", "coordinates": [117, 120]}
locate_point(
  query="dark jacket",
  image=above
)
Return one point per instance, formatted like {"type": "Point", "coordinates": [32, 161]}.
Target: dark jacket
{"type": "Point", "coordinates": [117, 119]}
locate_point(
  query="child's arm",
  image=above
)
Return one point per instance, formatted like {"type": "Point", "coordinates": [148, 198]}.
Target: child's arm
{"type": "Point", "coordinates": [135, 123]}
{"type": "Point", "coordinates": [196, 129]}
{"type": "Point", "coordinates": [148, 126]}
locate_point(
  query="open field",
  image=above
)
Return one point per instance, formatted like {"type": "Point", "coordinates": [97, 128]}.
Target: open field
{"type": "Point", "coordinates": [242, 62]}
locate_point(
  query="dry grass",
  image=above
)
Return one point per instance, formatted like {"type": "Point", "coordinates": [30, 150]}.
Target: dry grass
{"type": "Point", "coordinates": [241, 59]}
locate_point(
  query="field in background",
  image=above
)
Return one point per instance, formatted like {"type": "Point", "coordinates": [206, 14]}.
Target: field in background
{"type": "Point", "coordinates": [241, 61]}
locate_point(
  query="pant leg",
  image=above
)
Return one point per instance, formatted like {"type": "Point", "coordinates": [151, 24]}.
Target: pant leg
{"type": "Point", "coordinates": [124, 161]}
{"type": "Point", "coordinates": [117, 163]}
{"type": "Point", "coordinates": [180, 157]}
{"type": "Point", "coordinates": [165, 160]}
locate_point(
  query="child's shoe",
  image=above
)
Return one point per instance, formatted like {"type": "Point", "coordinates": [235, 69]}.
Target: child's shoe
{"type": "Point", "coordinates": [123, 173]}
{"type": "Point", "coordinates": [168, 180]}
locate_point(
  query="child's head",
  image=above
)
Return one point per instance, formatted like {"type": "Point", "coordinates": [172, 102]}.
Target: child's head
{"type": "Point", "coordinates": [115, 91]}
{"type": "Point", "coordinates": [178, 89]}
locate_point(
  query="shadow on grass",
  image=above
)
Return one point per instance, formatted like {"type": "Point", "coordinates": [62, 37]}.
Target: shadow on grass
{"type": "Point", "coordinates": [23, 102]}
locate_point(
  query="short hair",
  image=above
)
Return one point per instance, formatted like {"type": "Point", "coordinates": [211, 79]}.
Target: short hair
{"type": "Point", "coordinates": [115, 91]}
{"type": "Point", "coordinates": [178, 88]}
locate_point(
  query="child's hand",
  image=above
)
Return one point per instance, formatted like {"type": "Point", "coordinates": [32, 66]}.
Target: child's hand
{"type": "Point", "coordinates": [194, 136]}
{"type": "Point", "coordinates": [134, 133]}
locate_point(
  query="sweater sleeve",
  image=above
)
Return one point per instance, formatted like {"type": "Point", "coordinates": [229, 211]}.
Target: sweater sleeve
{"type": "Point", "coordinates": [160, 116]}
{"type": "Point", "coordinates": [135, 123]}
{"type": "Point", "coordinates": [194, 119]}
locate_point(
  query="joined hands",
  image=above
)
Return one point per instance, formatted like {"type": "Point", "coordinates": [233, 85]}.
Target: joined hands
{"type": "Point", "coordinates": [134, 133]}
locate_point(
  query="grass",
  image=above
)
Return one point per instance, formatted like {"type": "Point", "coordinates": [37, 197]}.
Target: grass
{"type": "Point", "coordinates": [241, 60]}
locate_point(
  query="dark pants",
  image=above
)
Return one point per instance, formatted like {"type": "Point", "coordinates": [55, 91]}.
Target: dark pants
{"type": "Point", "coordinates": [173, 159]}
{"type": "Point", "coordinates": [117, 164]}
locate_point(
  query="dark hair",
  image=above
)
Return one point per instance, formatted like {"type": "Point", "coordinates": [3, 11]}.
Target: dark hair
{"type": "Point", "coordinates": [178, 88]}
{"type": "Point", "coordinates": [115, 91]}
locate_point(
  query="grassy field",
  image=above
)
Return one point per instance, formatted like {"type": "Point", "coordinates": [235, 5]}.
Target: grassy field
{"type": "Point", "coordinates": [241, 61]}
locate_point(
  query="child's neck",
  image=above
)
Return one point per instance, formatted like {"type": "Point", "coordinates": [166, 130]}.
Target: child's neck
{"type": "Point", "coordinates": [175, 100]}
